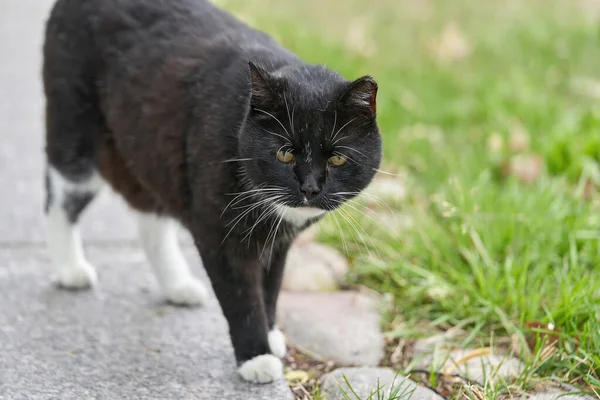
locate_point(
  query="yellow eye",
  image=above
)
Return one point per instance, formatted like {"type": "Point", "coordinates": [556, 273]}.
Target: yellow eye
{"type": "Point", "coordinates": [285, 156]}
{"type": "Point", "coordinates": [337, 160]}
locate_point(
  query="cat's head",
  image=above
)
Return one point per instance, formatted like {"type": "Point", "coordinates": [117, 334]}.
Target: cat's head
{"type": "Point", "coordinates": [311, 138]}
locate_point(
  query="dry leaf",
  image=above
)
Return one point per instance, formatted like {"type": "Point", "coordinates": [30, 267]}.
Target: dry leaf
{"type": "Point", "coordinates": [297, 376]}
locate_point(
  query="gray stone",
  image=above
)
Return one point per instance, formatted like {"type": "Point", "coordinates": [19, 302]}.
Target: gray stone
{"type": "Point", "coordinates": [116, 342]}
{"type": "Point", "coordinates": [430, 345]}
{"type": "Point", "coordinates": [365, 381]}
{"type": "Point", "coordinates": [558, 395]}
{"type": "Point", "coordinates": [385, 188]}
{"type": "Point", "coordinates": [491, 367]}
{"type": "Point", "coordinates": [341, 326]}
{"type": "Point", "coordinates": [313, 267]}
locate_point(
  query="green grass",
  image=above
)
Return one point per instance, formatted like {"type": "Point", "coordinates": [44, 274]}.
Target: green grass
{"type": "Point", "coordinates": [480, 248]}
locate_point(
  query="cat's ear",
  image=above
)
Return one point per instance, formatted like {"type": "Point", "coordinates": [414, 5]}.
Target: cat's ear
{"type": "Point", "coordinates": [261, 91]}
{"type": "Point", "coordinates": [361, 97]}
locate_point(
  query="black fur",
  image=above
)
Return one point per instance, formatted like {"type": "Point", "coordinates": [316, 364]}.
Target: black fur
{"type": "Point", "coordinates": [75, 202]}
{"type": "Point", "coordinates": [48, 191]}
{"type": "Point", "coordinates": [180, 106]}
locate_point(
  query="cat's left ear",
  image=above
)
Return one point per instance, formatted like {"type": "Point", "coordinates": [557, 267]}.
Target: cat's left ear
{"type": "Point", "coordinates": [261, 91]}
{"type": "Point", "coordinates": [361, 97]}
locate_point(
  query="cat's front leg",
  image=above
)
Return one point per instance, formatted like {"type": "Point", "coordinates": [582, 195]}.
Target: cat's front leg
{"type": "Point", "coordinates": [237, 282]}
{"type": "Point", "coordinates": [272, 276]}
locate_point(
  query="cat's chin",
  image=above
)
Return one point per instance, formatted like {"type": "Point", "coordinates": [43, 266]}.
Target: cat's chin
{"type": "Point", "coordinates": [300, 215]}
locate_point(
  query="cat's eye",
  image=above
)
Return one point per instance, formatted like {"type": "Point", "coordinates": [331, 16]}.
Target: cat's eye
{"type": "Point", "coordinates": [285, 156]}
{"type": "Point", "coordinates": [337, 160]}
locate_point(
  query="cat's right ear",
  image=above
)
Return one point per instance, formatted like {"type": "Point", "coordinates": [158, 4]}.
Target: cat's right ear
{"type": "Point", "coordinates": [261, 91]}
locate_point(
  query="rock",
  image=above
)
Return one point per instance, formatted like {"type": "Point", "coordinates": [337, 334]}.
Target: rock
{"type": "Point", "coordinates": [342, 327]}
{"type": "Point", "coordinates": [308, 235]}
{"type": "Point", "coordinates": [432, 344]}
{"type": "Point", "coordinates": [555, 389]}
{"type": "Point", "coordinates": [365, 381]}
{"type": "Point", "coordinates": [384, 188]}
{"type": "Point", "coordinates": [313, 267]}
{"type": "Point", "coordinates": [558, 395]}
{"type": "Point", "coordinates": [473, 364]}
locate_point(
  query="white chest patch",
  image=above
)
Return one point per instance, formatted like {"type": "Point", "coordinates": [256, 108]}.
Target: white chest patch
{"type": "Point", "coordinates": [299, 215]}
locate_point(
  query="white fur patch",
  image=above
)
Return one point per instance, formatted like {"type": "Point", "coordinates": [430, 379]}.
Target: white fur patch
{"type": "Point", "coordinates": [277, 343]}
{"type": "Point", "coordinates": [63, 238]}
{"type": "Point", "coordinates": [299, 215]}
{"type": "Point", "coordinates": [262, 369]}
{"type": "Point", "coordinates": [159, 239]}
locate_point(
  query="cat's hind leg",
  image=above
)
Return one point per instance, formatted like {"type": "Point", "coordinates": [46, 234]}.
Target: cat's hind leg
{"type": "Point", "coordinates": [158, 235]}
{"type": "Point", "coordinates": [65, 200]}
{"type": "Point", "coordinates": [74, 124]}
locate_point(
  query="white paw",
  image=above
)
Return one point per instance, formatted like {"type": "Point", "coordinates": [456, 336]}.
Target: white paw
{"type": "Point", "coordinates": [81, 275]}
{"type": "Point", "coordinates": [277, 343]}
{"type": "Point", "coordinates": [262, 369]}
{"type": "Point", "coordinates": [192, 292]}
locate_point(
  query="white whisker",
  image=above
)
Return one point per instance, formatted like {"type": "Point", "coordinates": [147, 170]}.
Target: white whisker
{"type": "Point", "coordinates": [337, 153]}
{"type": "Point", "coordinates": [355, 224]}
{"type": "Point", "coordinates": [241, 196]}
{"type": "Point", "coordinates": [269, 211]}
{"type": "Point", "coordinates": [339, 130]}
{"type": "Point", "coordinates": [343, 215]}
{"type": "Point", "coordinates": [332, 214]}
{"type": "Point", "coordinates": [353, 149]}
{"type": "Point", "coordinates": [259, 189]}
{"type": "Point", "coordinates": [279, 206]}
{"type": "Point", "coordinates": [366, 234]}
{"type": "Point", "coordinates": [278, 135]}
{"type": "Point", "coordinates": [384, 172]}
{"type": "Point", "coordinates": [334, 124]}
{"type": "Point", "coordinates": [251, 208]}
{"type": "Point", "coordinates": [369, 196]}
{"type": "Point", "coordinates": [274, 236]}
{"type": "Point", "coordinates": [275, 118]}
{"type": "Point", "coordinates": [293, 111]}
{"type": "Point", "coordinates": [290, 120]}
{"type": "Point", "coordinates": [238, 160]}
{"type": "Point", "coordinates": [349, 203]}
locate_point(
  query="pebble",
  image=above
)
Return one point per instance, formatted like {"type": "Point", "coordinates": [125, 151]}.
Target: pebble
{"type": "Point", "coordinates": [343, 327]}
{"type": "Point", "coordinates": [313, 267]}
{"type": "Point", "coordinates": [366, 381]}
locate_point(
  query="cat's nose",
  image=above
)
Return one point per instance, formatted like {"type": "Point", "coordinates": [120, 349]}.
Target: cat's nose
{"type": "Point", "coordinates": [310, 188]}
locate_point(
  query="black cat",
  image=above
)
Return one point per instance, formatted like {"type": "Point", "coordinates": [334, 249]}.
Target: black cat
{"type": "Point", "coordinates": [194, 117]}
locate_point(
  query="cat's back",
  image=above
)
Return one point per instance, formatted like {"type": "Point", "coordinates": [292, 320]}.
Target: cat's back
{"type": "Point", "coordinates": [113, 28]}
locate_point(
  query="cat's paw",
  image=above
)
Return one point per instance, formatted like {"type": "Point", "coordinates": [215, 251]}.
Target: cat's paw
{"type": "Point", "coordinates": [192, 292]}
{"type": "Point", "coordinates": [277, 343]}
{"type": "Point", "coordinates": [78, 276]}
{"type": "Point", "coordinates": [262, 369]}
